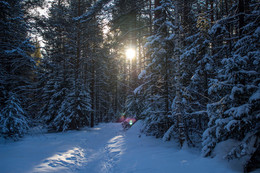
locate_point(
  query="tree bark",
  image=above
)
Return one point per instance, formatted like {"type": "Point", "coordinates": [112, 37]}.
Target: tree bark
{"type": "Point", "coordinates": [92, 117]}
{"type": "Point", "coordinates": [241, 13]}
{"type": "Point", "coordinates": [178, 109]}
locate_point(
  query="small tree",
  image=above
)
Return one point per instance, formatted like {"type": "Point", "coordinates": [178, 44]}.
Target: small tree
{"type": "Point", "coordinates": [13, 121]}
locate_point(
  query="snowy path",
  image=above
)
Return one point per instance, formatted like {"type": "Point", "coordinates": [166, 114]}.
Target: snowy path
{"type": "Point", "coordinates": [91, 150]}
{"type": "Point", "coordinates": [104, 149]}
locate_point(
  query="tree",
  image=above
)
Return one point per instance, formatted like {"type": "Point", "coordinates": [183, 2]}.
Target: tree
{"type": "Point", "coordinates": [67, 104]}
{"type": "Point", "coordinates": [127, 30]}
{"type": "Point", "coordinates": [16, 70]}
{"type": "Point", "coordinates": [195, 68]}
{"type": "Point", "coordinates": [234, 114]}
{"type": "Point", "coordinates": [76, 63]}
{"type": "Point", "coordinates": [157, 79]}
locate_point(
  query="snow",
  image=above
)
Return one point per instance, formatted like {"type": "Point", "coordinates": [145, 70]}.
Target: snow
{"type": "Point", "coordinates": [89, 14]}
{"type": "Point", "coordinates": [168, 134]}
{"type": "Point", "coordinates": [3, 2]}
{"type": "Point", "coordinates": [235, 90]}
{"type": "Point", "coordinates": [255, 96]}
{"type": "Point", "coordinates": [142, 74]}
{"type": "Point", "coordinates": [138, 89]}
{"type": "Point", "coordinates": [231, 124]}
{"type": "Point", "coordinates": [223, 148]}
{"type": "Point", "coordinates": [171, 36]}
{"type": "Point", "coordinates": [239, 111]}
{"type": "Point", "coordinates": [104, 149]}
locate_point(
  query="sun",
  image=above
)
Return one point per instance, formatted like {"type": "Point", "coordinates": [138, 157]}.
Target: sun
{"type": "Point", "coordinates": [130, 53]}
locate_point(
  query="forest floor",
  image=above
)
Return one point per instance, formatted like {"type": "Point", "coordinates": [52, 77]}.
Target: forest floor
{"type": "Point", "coordinates": [104, 149]}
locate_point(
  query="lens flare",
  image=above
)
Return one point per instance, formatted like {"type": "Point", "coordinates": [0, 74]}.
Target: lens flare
{"type": "Point", "coordinates": [130, 54]}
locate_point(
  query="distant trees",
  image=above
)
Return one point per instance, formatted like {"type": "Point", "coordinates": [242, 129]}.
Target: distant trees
{"type": "Point", "coordinates": [127, 30]}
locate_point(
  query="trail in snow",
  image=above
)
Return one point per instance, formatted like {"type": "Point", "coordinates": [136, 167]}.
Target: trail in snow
{"type": "Point", "coordinates": [104, 149]}
{"type": "Point", "coordinates": [90, 150]}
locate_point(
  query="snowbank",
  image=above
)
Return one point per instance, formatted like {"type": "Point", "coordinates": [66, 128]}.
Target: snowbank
{"type": "Point", "coordinates": [223, 148]}
{"type": "Point", "coordinates": [135, 130]}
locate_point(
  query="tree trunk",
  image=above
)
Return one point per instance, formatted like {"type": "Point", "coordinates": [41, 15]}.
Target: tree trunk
{"type": "Point", "coordinates": [178, 109]}
{"type": "Point", "coordinates": [241, 13]}
{"type": "Point", "coordinates": [78, 46]}
{"type": "Point", "coordinates": [92, 117]}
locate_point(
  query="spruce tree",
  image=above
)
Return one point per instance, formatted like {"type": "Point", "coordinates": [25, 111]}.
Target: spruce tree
{"type": "Point", "coordinates": [157, 73]}
{"type": "Point", "coordinates": [16, 69]}
{"type": "Point", "coordinates": [235, 114]}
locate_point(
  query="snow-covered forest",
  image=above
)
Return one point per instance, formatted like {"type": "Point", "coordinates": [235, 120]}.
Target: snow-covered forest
{"type": "Point", "coordinates": [188, 69]}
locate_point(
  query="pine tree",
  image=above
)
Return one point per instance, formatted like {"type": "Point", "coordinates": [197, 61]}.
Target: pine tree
{"type": "Point", "coordinates": [16, 69]}
{"type": "Point", "coordinates": [74, 62]}
{"type": "Point", "coordinates": [235, 115]}
{"type": "Point", "coordinates": [157, 74]}
{"type": "Point", "coordinates": [13, 119]}
{"type": "Point", "coordinates": [56, 71]}
{"type": "Point", "coordinates": [195, 69]}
